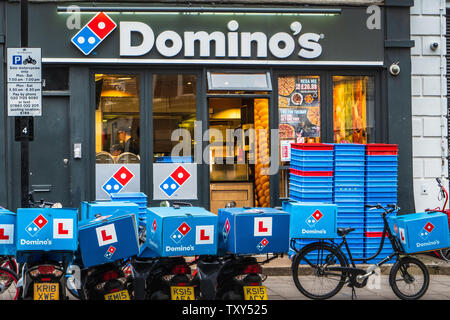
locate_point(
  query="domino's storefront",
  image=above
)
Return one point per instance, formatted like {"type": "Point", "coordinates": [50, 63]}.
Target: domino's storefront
{"type": "Point", "coordinates": [175, 101]}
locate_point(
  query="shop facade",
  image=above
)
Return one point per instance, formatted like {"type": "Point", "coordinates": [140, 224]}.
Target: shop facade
{"type": "Point", "coordinates": [190, 103]}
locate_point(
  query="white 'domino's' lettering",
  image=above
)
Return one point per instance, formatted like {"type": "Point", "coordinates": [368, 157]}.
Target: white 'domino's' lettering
{"type": "Point", "coordinates": [47, 242]}
{"type": "Point", "coordinates": [169, 43]}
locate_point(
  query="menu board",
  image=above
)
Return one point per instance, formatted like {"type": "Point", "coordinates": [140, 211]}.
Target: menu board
{"type": "Point", "coordinates": [299, 107]}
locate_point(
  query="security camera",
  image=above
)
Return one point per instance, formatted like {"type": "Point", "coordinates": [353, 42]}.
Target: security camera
{"type": "Point", "coordinates": [394, 69]}
{"type": "Point", "coordinates": [434, 46]}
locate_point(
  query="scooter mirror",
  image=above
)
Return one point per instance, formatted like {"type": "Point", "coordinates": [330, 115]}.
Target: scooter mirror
{"type": "Point", "coordinates": [164, 203]}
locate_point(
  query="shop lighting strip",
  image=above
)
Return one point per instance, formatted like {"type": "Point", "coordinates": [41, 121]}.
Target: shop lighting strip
{"type": "Point", "coordinates": [204, 10]}
{"type": "Point", "coordinates": [212, 61]}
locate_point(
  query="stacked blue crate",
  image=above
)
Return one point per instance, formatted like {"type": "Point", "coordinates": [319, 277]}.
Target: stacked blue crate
{"type": "Point", "coordinates": [381, 187]}
{"type": "Point", "coordinates": [311, 176]}
{"type": "Point", "coordinates": [136, 197]}
{"type": "Point", "coordinates": [348, 189]}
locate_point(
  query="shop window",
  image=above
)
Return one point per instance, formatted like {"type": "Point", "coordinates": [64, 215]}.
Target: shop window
{"type": "Point", "coordinates": [299, 118]}
{"type": "Point", "coordinates": [353, 108]}
{"type": "Point", "coordinates": [55, 78]}
{"type": "Point", "coordinates": [174, 108]}
{"type": "Point", "coordinates": [117, 119]}
{"type": "Point", "coordinates": [239, 81]}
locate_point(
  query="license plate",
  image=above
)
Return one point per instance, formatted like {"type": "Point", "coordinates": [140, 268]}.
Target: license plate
{"type": "Point", "coordinates": [119, 295]}
{"type": "Point", "coordinates": [182, 293]}
{"type": "Point", "coordinates": [255, 293]}
{"type": "Point", "coordinates": [46, 291]}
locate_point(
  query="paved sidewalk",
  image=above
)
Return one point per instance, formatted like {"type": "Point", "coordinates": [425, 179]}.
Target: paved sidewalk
{"type": "Point", "coordinates": [283, 288]}
{"type": "Point", "coordinates": [282, 266]}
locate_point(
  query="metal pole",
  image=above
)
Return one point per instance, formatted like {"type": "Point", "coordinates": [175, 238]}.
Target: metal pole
{"type": "Point", "coordinates": [24, 143]}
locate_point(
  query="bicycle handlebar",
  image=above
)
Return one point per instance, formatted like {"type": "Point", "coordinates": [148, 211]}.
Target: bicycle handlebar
{"type": "Point", "coordinates": [392, 207]}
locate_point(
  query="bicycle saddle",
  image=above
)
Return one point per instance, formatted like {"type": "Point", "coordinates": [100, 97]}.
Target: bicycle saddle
{"type": "Point", "coordinates": [344, 231]}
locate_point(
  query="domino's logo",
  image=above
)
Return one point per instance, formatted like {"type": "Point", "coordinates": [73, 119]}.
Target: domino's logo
{"type": "Point", "coordinates": [109, 253]}
{"type": "Point", "coordinates": [426, 230]}
{"type": "Point", "coordinates": [226, 230]}
{"type": "Point", "coordinates": [36, 225]}
{"type": "Point", "coordinates": [93, 33]}
{"type": "Point", "coordinates": [175, 180]}
{"type": "Point", "coordinates": [260, 246]}
{"type": "Point", "coordinates": [180, 232]}
{"type": "Point", "coordinates": [118, 181]}
{"type": "Point", "coordinates": [313, 219]}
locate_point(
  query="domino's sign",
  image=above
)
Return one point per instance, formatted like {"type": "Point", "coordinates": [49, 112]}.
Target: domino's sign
{"type": "Point", "coordinates": [93, 33]}
{"type": "Point", "coordinates": [174, 181]}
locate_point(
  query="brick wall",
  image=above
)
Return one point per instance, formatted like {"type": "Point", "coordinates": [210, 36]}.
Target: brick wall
{"type": "Point", "coordinates": [429, 103]}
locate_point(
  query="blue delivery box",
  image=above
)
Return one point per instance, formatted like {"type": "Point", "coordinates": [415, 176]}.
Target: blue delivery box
{"type": "Point", "coordinates": [253, 231]}
{"type": "Point", "coordinates": [7, 239]}
{"type": "Point", "coordinates": [91, 210]}
{"type": "Point", "coordinates": [422, 231]}
{"type": "Point", "coordinates": [312, 220]}
{"type": "Point", "coordinates": [47, 229]}
{"type": "Point", "coordinates": [107, 239]}
{"type": "Point", "coordinates": [181, 231]}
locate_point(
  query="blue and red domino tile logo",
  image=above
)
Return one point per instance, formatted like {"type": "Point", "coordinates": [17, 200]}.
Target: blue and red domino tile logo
{"type": "Point", "coordinates": [93, 33]}
{"type": "Point", "coordinates": [118, 181]}
{"type": "Point", "coordinates": [426, 230]}
{"type": "Point", "coordinates": [175, 180]}
{"type": "Point", "coordinates": [313, 219]}
{"type": "Point", "coordinates": [180, 232]}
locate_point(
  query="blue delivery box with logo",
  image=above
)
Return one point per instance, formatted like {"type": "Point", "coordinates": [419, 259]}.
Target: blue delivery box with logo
{"type": "Point", "coordinates": [7, 236]}
{"type": "Point", "coordinates": [181, 231]}
{"type": "Point", "coordinates": [46, 229]}
{"type": "Point", "coordinates": [107, 239]}
{"type": "Point", "coordinates": [423, 231]}
{"type": "Point", "coordinates": [253, 231]}
{"type": "Point", "coordinates": [312, 220]}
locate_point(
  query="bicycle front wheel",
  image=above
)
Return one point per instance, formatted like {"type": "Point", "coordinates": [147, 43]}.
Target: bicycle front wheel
{"type": "Point", "coordinates": [8, 284]}
{"type": "Point", "coordinates": [312, 274]}
{"type": "Point", "coordinates": [409, 278]}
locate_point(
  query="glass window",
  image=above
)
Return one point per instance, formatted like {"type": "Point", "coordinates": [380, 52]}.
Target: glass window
{"type": "Point", "coordinates": [174, 107]}
{"type": "Point", "coordinates": [55, 78]}
{"type": "Point", "coordinates": [239, 81]}
{"type": "Point", "coordinates": [299, 118]}
{"type": "Point", "coordinates": [353, 108]}
{"type": "Point", "coordinates": [117, 119]}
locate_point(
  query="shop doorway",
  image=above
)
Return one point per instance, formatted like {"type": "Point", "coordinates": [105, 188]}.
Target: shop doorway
{"type": "Point", "coordinates": [239, 152]}
{"type": "Point", "coordinates": [50, 150]}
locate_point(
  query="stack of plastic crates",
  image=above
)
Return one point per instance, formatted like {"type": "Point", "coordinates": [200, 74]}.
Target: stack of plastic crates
{"type": "Point", "coordinates": [311, 176]}
{"type": "Point", "coordinates": [349, 168]}
{"type": "Point", "coordinates": [136, 197]}
{"type": "Point", "coordinates": [381, 187]}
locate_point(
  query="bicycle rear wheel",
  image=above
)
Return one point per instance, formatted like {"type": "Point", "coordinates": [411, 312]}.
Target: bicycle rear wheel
{"type": "Point", "coordinates": [409, 278]}
{"type": "Point", "coordinates": [445, 254]}
{"type": "Point", "coordinates": [310, 270]}
{"type": "Point", "coordinates": [8, 284]}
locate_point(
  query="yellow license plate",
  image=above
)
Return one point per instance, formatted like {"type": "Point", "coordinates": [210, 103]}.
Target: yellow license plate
{"type": "Point", "coordinates": [119, 295]}
{"type": "Point", "coordinates": [255, 293]}
{"type": "Point", "coordinates": [46, 291]}
{"type": "Point", "coordinates": [182, 293]}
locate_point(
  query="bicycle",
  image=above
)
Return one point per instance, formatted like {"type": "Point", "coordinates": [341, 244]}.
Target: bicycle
{"type": "Point", "coordinates": [326, 262]}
